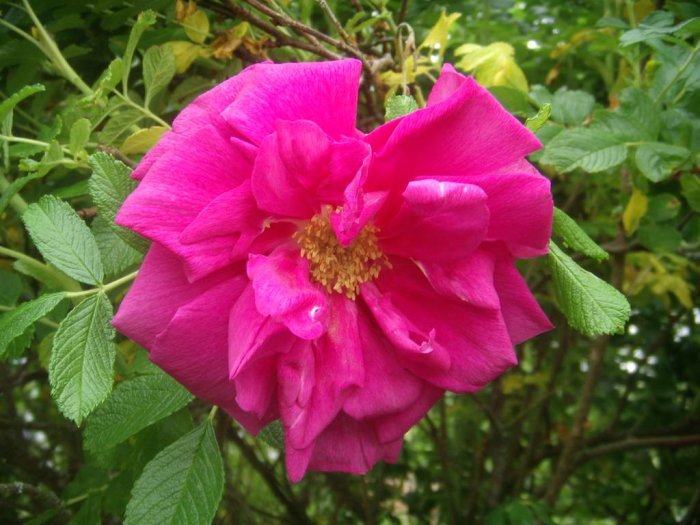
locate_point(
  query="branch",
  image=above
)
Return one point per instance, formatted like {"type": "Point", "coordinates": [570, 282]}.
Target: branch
{"type": "Point", "coordinates": [639, 442]}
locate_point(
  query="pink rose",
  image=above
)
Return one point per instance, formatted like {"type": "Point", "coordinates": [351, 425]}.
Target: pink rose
{"type": "Point", "coordinates": [340, 282]}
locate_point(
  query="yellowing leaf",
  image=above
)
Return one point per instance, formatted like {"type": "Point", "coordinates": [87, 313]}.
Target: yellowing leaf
{"type": "Point", "coordinates": [186, 53]}
{"type": "Point", "coordinates": [635, 210]}
{"type": "Point", "coordinates": [182, 11]}
{"type": "Point", "coordinates": [142, 140]}
{"type": "Point", "coordinates": [493, 65]}
{"type": "Point", "coordinates": [226, 43]}
{"type": "Point", "coordinates": [196, 26]}
{"type": "Point", "coordinates": [437, 37]}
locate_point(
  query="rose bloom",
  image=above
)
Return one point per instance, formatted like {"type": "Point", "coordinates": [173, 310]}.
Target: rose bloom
{"type": "Point", "coordinates": [339, 282]}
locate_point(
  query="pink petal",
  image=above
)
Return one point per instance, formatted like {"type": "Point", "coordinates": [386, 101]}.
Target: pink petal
{"type": "Point", "coordinates": [322, 92]}
{"type": "Point", "coordinates": [392, 427]}
{"type": "Point", "coordinates": [160, 288]}
{"type": "Point", "coordinates": [317, 378]}
{"type": "Point", "coordinates": [197, 358]}
{"type": "Point", "coordinates": [388, 387]}
{"type": "Point", "coordinates": [467, 134]}
{"type": "Point", "coordinates": [284, 292]}
{"type": "Point", "coordinates": [437, 221]}
{"type": "Point", "coordinates": [203, 111]}
{"type": "Point", "coordinates": [300, 168]}
{"type": "Point", "coordinates": [346, 445]}
{"type": "Point", "coordinates": [523, 316]}
{"type": "Point", "coordinates": [470, 279]}
{"type": "Point", "coordinates": [251, 335]}
{"type": "Point", "coordinates": [476, 339]}
{"type": "Point", "coordinates": [179, 186]}
{"type": "Point", "coordinates": [256, 389]}
{"type": "Point", "coordinates": [449, 81]}
{"type": "Point", "coordinates": [520, 202]}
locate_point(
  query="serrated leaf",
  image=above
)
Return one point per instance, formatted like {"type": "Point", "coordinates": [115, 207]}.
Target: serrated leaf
{"type": "Point", "coordinates": [158, 70]}
{"type": "Point", "coordinates": [7, 105]}
{"type": "Point", "coordinates": [273, 434]}
{"type": "Point", "coordinates": [110, 184]}
{"type": "Point", "coordinates": [64, 239]}
{"type": "Point", "coordinates": [657, 160]}
{"type": "Point", "coordinates": [690, 185]}
{"type": "Point", "coordinates": [540, 119]}
{"type": "Point", "coordinates": [575, 238]}
{"type": "Point", "coordinates": [133, 406]}
{"type": "Point", "coordinates": [196, 26]}
{"type": "Point", "coordinates": [110, 77]}
{"type": "Point", "coordinates": [16, 322]}
{"type": "Point", "coordinates": [82, 359]}
{"type": "Point", "coordinates": [183, 484]}
{"type": "Point", "coordinates": [398, 106]}
{"type": "Point", "coordinates": [117, 254]}
{"type": "Point", "coordinates": [119, 125]}
{"type": "Point", "coordinates": [640, 108]}
{"type": "Point", "coordinates": [593, 150]}
{"type": "Point", "coordinates": [590, 305]}
{"type": "Point", "coordinates": [142, 140]}
{"type": "Point", "coordinates": [634, 211]}
{"type": "Point", "coordinates": [79, 135]}
{"type": "Point", "coordinates": [571, 107]}
{"type": "Point", "coordinates": [144, 21]}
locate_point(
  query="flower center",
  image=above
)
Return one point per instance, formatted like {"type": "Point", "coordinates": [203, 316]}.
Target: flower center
{"type": "Point", "coordinates": [340, 269]}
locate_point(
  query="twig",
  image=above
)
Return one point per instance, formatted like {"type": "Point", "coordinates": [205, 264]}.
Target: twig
{"type": "Point", "coordinates": [334, 20]}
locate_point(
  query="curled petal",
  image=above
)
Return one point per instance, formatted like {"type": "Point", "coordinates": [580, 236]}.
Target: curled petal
{"type": "Point", "coordinates": [284, 292]}
{"type": "Point", "coordinates": [322, 92]}
{"type": "Point", "coordinates": [437, 221]}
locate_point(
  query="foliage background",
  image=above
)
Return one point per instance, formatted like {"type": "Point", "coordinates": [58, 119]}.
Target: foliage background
{"type": "Point", "coordinates": [597, 425]}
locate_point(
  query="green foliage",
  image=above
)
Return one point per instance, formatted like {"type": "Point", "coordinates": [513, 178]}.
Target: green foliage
{"type": "Point", "coordinates": [15, 323]}
{"type": "Point", "coordinates": [182, 484]}
{"type": "Point", "coordinates": [133, 405]}
{"type": "Point", "coordinates": [590, 304]}
{"type": "Point", "coordinates": [82, 358]}
{"type": "Point", "coordinates": [575, 238]}
{"type": "Point", "coordinates": [64, 239]}
{"type": "Point", "coordinates": [398, 106]}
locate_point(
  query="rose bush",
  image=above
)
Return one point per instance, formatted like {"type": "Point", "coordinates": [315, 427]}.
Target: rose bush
{"type": "Point", "coordinates": [340, 282]}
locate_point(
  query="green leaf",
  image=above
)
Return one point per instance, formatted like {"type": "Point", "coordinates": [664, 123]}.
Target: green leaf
{"type": "Point", "coordinates": [133, 406]}
{"type": "Point", "coordinates": [398, 106]}
{"type": "Point", "coordinates": [142, 140]}
{"type": "Point", "coordinates": [116, 254]}
{"type": "Point", "coordinates": [64, 239]}
{"type": "Point", "coordinates": [183, 484]}
{"type": "Point", "coordinates": [144, 21]}
{"type": "Point", "coordinates": [640, 108]}
{"type": "Point", "coordinates": [14, 187]}
{"type": "Point", "coordinates": [593, 150]}
{"type": "Point", "coordinates": [273, 434]}
{"type": "Point", "coordinates": [657, 160]}
{"type": "Point", "coordinates": [79, 135]}
{"type": "Point", "coordinates": [690, 185]}
{"type": "Point", "coordinates": [663, 207]}
{"type": "Point", "coordinates": [571, 107]}
{"type": "Point", "coordinates": [119, 125]}
{"type": "Point", "coordinates": [82, 359]}
{"type": "Point", "coordinates": [575, 238]}
{"type": "Point", "coordinates": [110, 77]}
{"type": "Point", "coordinates": [659, 238]}
{"type": "Point", "coordinates": [158, 70]}
{"type": "Point", "coordinates": [7, 105]}
{"type": "Point", "coordinates": [590, 305]}
{"type": "Point", "coordinates": [110, 184]}
{"type": "Point", "coordinates": [16, 322]}
{"type": "Point", "coordinates": [10, 288]}
{"type": "Point", "coordinates": [540, 119]}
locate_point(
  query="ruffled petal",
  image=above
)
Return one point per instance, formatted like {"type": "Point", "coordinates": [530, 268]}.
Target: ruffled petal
{"type": "Point", "coordinates": [347, 445]}
{"type": "Point", "coordinates": [203, 111]}
{"type": "Point", "coordinates": [197, 358]}
{"type": "Point", "coordinates": [284, 292]}
{"type": "Point", "coordinates": [476, 339]}
{"type": "Point", "coordinates": [388, 387]}
{"type": "Point", "coordinates": [449, 81]}
{"type": "Point", "coordinates": [437, 221]}
{"type": "Point", "coordinates": [322, 92]}
{"type": "Point", "coordinates": [466, 134]}
{"type": "Point", "coordinates": [392, 427]}
{"type": "Point", "coordinates": [317, 378]}
{"type": "Point", "coordinates": [160, 288]}
{"type": "Point", "coordinates": [157, 210]}
{"type": "Point", "coordinates": [523, 316]}
{"type": "Point", "coordinates": [299, 169]}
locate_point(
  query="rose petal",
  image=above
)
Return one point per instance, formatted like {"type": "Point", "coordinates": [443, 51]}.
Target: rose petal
{"type": "Point", "coordinates": [284, 292]}
{"type": "Point", "coordinates": [449, 81]}
{"type": "Point", "coordinates": [322, 92]}
{"type": "Point", "coordinates": [437, 221]}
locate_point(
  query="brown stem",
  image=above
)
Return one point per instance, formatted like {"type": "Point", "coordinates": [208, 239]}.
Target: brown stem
{"type": "Point", "coordinates": [334, 20]}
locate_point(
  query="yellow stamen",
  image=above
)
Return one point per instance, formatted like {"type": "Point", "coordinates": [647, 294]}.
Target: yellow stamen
{"type": "Point", "coordinates": [340, 269]}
